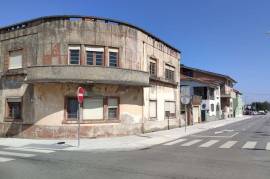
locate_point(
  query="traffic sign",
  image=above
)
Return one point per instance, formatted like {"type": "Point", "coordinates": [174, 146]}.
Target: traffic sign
{"type": "Point", "coordinates": [185, 99]}
{"type": "Point", "coordinates": [80, 93]}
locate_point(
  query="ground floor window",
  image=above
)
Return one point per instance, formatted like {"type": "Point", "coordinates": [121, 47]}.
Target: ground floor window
{"type": "Point", "coordinates": [13, 105]}
{"type": "Point", "coordinates": [170, 109]}
{"type": "Point", "coordinates": [112, 108]}
{"type": "Point", "coordinates": [98, 108]}
{"type": "Point", "coordinates": [72, 108]}
{"type": "Point", "coordinates": [153, 109]}
{"type": "Point", "coordinates": [93, 108]}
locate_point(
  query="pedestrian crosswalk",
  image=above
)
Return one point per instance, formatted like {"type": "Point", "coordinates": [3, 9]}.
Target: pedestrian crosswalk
{"type": "Point", "coordinates": [228, 144]}
{"type": "Point", "coordinates": [205, 143]}
{"type": "Point", "coordinates": [10, 154]}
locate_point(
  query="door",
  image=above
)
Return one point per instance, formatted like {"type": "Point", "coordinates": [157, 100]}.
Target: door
{"type": "Point", "coordinates": [195, 112]}
{"type": "Point", "coordinates": [203, 115]}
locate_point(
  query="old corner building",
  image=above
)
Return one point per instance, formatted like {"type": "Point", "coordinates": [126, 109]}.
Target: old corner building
{"type": "Point", "coordinates": [131, 78]}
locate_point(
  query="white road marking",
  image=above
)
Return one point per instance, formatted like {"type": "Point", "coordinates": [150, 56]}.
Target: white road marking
{"type": "Point", "coordinates": [209, 143]}
{"type": "Point", "coordinates": [228, 145]}
{"type": "Point", "coordinates": [175, 142]}
{"type": "Point", "coordinates": [267, 146]}
{"type": "Point", "coordinates": [249, 145]}
{"type": "Point", "coordinates": [221, 136]}
{"type": "Point", "coordinates": [191, 142]}
{"type": "Point", "coordinates": [16, 154]}
{"type": "Point", "coordinates": [2, 159]}
{"type": "Point", "coordinates": [30, 150]}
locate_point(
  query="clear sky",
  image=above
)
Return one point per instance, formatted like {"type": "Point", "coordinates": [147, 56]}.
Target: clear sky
{"type": "Point", "coordinates": [224, 36]}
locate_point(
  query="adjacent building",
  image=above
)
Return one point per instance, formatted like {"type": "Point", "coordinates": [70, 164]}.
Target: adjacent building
{"type": "Point", "coordinates": [131, 78]}
{"type": "Point", "coordinates": [218, 98]}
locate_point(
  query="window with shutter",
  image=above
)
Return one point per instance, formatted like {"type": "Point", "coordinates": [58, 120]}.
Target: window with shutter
{"type": "Point", "coordinates": [153, 109]}
{"type": "Point", "coordinates": [15, 59]}
{"type": "Point", "coordinates": [93, 108]}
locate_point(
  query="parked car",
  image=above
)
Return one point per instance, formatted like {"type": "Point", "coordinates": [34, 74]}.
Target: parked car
{"type": "Point", "coordinates": [261, 112]}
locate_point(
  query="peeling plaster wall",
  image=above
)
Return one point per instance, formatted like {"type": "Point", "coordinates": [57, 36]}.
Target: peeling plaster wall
{"type": "Point", "coordinates": [47, 43]}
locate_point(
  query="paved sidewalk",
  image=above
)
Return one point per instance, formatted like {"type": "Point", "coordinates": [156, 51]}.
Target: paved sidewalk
{"type": "Point", "coordinates": [133, 142]}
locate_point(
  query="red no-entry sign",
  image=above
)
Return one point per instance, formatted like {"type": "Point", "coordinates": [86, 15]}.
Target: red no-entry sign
{"type": "Point", "coordinates": [80, 93]}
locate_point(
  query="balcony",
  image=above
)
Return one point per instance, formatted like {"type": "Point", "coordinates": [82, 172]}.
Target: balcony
{"type": "Point", "coordinates": [86, 74]}
{"type": "Point", "coordinates": [226, 92]}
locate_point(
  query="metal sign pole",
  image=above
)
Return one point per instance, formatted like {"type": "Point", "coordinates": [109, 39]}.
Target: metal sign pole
{"type": "Point", "coordinates": [186, 118]}
{"type": "Point", "coordinates": [79, 123]}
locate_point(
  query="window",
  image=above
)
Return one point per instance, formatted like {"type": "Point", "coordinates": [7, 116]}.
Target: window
{"type": "Point", "coordinates": [74, 55]}
{"type": "Point", "coordinates": [169, 73]}
{"type": "Point", "coordinates": [169, 109]}
{"type": "Point", "coordinates": [112, 108]}
{"type": "Point", "coordinates": [153, 109]}
{"type": "Point", "coordinates": [15, 59]}
{"type": "Point", "coordinates": [113, 57]}
{"type": "Point", "coordinates": [212, 107]}
{"type": "Point", "coordinates": [93, 108]}
{"type": "Point", "coordinates": [201, 91]}
{"type": "Point", "coordinates": [14, 108]}
{"type": "Point", "coordinates": [72, 108]}
{"type": "Point", "coordinates": [153, 67]}
{"type": "Point", "coordinates": [212, 93]}
{"type": "Point", "coordinates": [94, 56]}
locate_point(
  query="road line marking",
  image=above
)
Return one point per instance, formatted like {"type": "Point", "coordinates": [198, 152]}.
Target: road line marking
{"type": "Point", "coordinates": [249, 145]}
{"type": "Point", "coordinates": [30, 150]}
{"type": "Point", "coordinates": [16, 154]}
{"type": "Point", "coordinates": [191, 142]}
{"type": "Point", "coordinates": [209, 143]}
{"type": "Point", "coordinates": [2, 159]}
{"type": "Point", "coordinates": [228, 145]}
{"type": "Point", "coordinates": [267, 146]}
{"type": "Point", "coordinates": [221, 136]}
{"type": "Point", "coordinates": [175, 142]}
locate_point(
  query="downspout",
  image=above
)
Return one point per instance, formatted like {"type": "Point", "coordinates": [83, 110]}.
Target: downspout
{"type": "Point", "coordinates": [142, 128]}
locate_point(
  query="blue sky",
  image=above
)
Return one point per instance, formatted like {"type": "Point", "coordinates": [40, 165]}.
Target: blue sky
{"type": "Point", "coordinates": [224, 36]}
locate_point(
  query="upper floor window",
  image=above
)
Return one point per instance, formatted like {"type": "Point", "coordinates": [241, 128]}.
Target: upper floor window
{"type": "Point", "coordinates": [74, 55]}
{"type": "Point", "coordinates": [94, 56]}
{"type": "Point", "coordinates": [153, 67]}
{"type": "Point", "coordinates": [15, 59]}
{"type": "Point", "coordinates": [113, 57]}
{"type": "Point", "coordinates": [169, 72]}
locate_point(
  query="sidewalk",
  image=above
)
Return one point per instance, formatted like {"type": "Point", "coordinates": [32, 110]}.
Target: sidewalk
{"type": "Point", "coordinates": [126, 143]}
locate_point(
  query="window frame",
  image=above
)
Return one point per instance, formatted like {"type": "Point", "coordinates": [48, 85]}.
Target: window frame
{"type": "Point", "coordinates": [152, 118]}
{"type": "Point", "coordinates": [105, 118]}
{"type": "Point", "coordinates": [170, 116]}
{"type": "Point", "coordinates": [94, 50]}
{"type": "Point", "coordinates": [69, 56]}
{"type": "Point", "coordinates": [114, 50]}
{"type": "Point", "coordinates": [117, 111]}
{"type": "Point", "coordinates": [153, 61]}
{"type": "Point", "coordinates": [7, 108]}
{"type": "Point", "coordinates": [9, 59]}
{"type": "Point", "coordinates": [66, 109]}
{"type": "Point", "coordinates": [170, 69]}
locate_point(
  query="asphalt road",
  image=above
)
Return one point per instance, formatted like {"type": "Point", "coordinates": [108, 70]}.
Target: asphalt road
{"type": "Point", "coordinates": [237, 150]}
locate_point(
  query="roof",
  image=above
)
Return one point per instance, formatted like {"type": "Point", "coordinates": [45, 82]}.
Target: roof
{"type": "Point", "coordinates": [61, 17]}
{"type": "Point", "coordinates": [237, 92]}
{"type": "Point", "coordinates": [208, 83]}
{"type": "Point", "coordinates": [208, 72]}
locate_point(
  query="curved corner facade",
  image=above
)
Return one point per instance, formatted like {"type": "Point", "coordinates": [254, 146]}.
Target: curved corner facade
{"type": "Point", "coordinates": [130, 77]}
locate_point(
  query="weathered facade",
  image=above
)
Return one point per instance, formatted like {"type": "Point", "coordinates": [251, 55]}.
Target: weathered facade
{"type": "Point", "coordinates": [130, 76]}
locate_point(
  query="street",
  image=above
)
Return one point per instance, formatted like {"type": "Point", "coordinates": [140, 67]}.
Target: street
{"type": "Point", "coordinates": [238, 150]}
